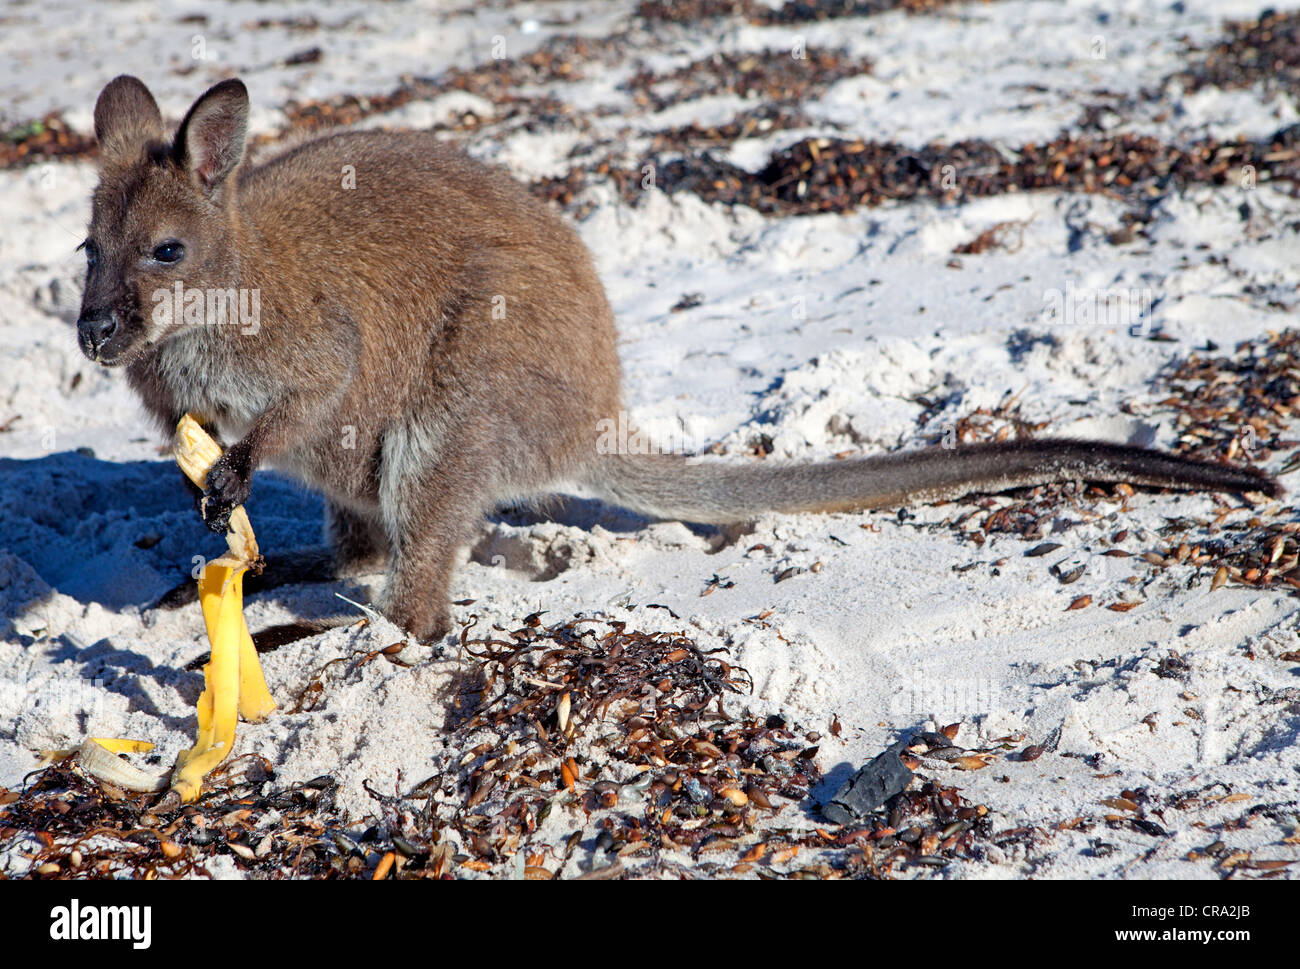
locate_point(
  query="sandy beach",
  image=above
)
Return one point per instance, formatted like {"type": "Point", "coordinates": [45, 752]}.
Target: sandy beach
{"type": "Point", "coordinates": [1077, 222]}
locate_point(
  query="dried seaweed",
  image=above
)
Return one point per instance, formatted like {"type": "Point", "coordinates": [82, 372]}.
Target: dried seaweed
{"type": "Point", "coordinates": [776, 76]}
{"type": "Point", "coordinates": [579, 749]}
{"type": "Point", "coordinates": [834, 175]}
{"type": "Point", "coordinates": [1264, 51]}
{"type": "Point", "coordinates": [792, 12]}
{"type": "Point", "coordinates": [44, 140]}
{"type": "Point", "coordinates": [85, 831]}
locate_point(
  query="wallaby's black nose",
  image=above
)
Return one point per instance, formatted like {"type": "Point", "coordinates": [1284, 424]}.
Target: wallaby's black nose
{"type": "Point", "coordinates": [94, 331]}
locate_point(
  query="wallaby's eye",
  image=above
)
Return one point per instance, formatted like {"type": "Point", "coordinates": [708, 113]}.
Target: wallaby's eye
{"type": "Point", "coordinates": [92, 254]}
{"type": "Point", "coordinates": [169, 251]}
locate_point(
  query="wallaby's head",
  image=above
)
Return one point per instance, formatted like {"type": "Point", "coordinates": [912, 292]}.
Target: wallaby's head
{"type": "Point", "coordinates": [161, 214]}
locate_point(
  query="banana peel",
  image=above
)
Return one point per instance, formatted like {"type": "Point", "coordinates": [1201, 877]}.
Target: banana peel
{"type": "Point", "coordinates": [234, 683]}
{"type": "Point", "coordinates": [97, 757]}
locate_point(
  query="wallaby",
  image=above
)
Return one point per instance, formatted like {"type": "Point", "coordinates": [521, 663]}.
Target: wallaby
{"type": "Point", "coordinates": [430, 340]}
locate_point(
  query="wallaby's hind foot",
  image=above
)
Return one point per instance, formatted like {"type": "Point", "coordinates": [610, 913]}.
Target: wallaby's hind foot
{"type": "Point", "coordinates": [417, 597]}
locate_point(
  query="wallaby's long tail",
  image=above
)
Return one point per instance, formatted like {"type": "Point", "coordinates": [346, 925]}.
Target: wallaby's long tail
{"type": "Point", "coordinates": [672, 487]}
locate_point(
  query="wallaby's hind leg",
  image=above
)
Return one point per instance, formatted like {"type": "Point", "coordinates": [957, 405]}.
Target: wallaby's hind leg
{"type": "Point", "coordinates": [429, 513]}
{"type": "Point", "coordinates": [359, 542]}
{"type": "Point", "coordinates": [417, 596]}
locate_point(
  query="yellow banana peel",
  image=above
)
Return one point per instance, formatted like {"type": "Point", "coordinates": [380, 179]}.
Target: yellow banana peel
{"type": "Point", "coordinates": [233, 679]}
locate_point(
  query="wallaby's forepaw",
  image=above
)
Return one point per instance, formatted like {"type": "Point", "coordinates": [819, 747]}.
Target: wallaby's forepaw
{"type": "Point", "coordinates": [229, 484]}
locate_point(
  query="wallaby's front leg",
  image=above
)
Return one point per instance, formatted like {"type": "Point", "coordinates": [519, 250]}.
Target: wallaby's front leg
{"type": "Point", "coordinates": [291, 421]}
{"type": "Point", "coordinates": [297, 416]}
{"type": "Point", "coordinates": [144, 376]}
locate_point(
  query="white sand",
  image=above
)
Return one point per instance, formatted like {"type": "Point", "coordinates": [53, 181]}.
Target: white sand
{"type": "Point", "coordinates": [885, 636]}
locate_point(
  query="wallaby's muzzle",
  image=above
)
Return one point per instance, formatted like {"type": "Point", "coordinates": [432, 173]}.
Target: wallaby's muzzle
{"type": "Point", "coordinates": [94, 330]}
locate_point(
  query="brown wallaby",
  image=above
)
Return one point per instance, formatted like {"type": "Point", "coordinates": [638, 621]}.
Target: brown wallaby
{"type": "Point", "coordinates": [429, 340]}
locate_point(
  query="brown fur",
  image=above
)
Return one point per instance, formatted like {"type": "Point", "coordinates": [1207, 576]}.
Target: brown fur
{"type": "Point", "coordinates": [378, 371]}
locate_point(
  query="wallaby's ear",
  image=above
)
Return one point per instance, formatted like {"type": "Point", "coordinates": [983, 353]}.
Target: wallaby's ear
{"type": "Point", "coordinates": [210, 141]}
{"type": "Point", "coordinates": [126, 117]}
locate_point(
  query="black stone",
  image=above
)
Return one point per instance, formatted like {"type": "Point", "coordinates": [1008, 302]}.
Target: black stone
{"type": "Point", "coordinates": [870, 787]}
